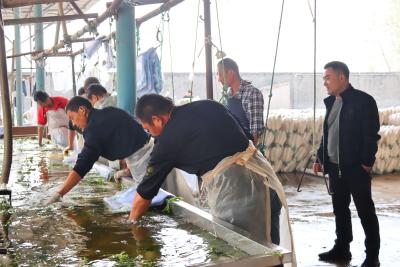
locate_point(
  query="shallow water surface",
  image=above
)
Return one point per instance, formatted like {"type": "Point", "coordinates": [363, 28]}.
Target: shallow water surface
{"type": "Point", "coordinates": [80, 231]}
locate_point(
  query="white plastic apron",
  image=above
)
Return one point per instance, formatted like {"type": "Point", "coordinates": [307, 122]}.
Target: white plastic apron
{"type": "Point", "coordinates": [57, 122]}
{"type": "Point", "coordinates": [137, 162]}
{"type": "Point", "coordinates": [240, 184]}
{"type": "Point", "coordinates": [106, 101]}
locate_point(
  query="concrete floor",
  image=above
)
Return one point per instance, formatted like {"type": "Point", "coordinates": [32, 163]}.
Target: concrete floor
{"type": "Point", "coordinates": [313, 222]}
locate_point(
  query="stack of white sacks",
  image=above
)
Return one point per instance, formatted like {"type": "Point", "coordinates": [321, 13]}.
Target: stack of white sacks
{"type": "Point", "coordinates": [289, 138]}
{"type": "Point", "coordinates": [388, 155]}
{"type": "Point", "coordinates": [290, 133]}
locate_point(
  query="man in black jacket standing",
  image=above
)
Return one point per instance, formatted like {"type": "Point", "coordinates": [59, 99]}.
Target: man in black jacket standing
{"type": "Point", "coordinates": [347, 154]}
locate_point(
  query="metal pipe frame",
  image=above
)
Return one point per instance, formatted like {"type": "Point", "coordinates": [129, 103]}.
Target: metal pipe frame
{"type": "Point", "coordinates": [18, 71]}
{"type": "Point", "coordinates": [164, 7]}
{"type": "Point", "coordinates": [112, 10]}
{"type": "Point", "coordinates": [10, 22]}
{"type": "Point", "coordinates": [19, 3]}
{"type": "Point", "coordinates": [208, 48]}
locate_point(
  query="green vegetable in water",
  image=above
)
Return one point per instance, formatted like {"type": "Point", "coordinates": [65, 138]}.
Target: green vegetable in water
{"type": "Point", "coordinates": [85, 260]}
{"type": "Point", "coordinates": [4, 205]}
{"type": "Point", "coordinates": [95, 180]}
{"type": "Point", "coordinates": [168, 206]}
{"type": "Point", "coordinates": [214, 251]}
{"type": "Point", "coordinates": [123, 260]}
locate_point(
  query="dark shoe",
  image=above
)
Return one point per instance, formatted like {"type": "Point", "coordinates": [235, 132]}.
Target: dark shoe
{"type": "Point", "coordinates": [336, 254]}
{"type": "Point", "coordinates": [371, 263]}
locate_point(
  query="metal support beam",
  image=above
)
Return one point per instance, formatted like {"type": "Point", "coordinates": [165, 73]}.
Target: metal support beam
{"type": "Point", "coordinates": [5, 100]}
{"type": "Point", "coordinates": [126, 58]}
{"type": "Point", "coordinates": [19, 3]}
{"type": "Point", "coordinates": [63, 23]}
{"type": "Point", "coordinates": [82, 40]}
{"type": "Point", "coordinates": [9, 22]}
{"type": "Point", "coordinates": [208, 48]}
{"type": "Point", "coordinates": [80, 51]}
{"type": "Point", "coordinates": [24, 54]}
{"type": "Point", "coordinates": [18, 72]}
{"type": "Point", "coordinates": [57, 35]}
{"type": "Point", "coordinates": [39, 47]}
{"type": "Point", "coordinates": [112, 10]}
{"type": "Point", "coordinates": [59, 54]}
{"type": "Point", "coordinates": [73, 75]}
{"type": "Point", "coordinates": [77, 9]}
{"type": "Point", "coordinates": [164, 7]}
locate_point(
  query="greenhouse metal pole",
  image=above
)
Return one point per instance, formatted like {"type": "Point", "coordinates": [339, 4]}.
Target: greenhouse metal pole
{"type": "Point", "coordinates": [18, 72]}
{"type": "Point", "coordinates": [73, 75]}
{"type": "Point", "coordinates": [126, 57]}
{"type": "Point", "coordinates": [208, 48]}
{"type": "Point", "coordinates": [39, 47]}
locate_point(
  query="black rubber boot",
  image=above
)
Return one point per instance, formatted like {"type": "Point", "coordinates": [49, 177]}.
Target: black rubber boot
{"type": "Point", "coordinates": [336, 254]}
{"type": "Point", "coordinates": [371, 262]}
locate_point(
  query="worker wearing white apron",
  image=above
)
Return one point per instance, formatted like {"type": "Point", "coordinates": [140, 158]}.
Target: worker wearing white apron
{"type": "Point", "coordinates": [111, 133]}
{"type": "Point", "coordinates": [57, 123]}
{"type": "Point", "coordinates": [51, 112]}
{"type": "Point", "coordinates": [205, 139]}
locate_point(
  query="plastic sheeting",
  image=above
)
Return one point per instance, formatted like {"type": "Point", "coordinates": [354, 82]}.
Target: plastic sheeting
{"type": "Point", "coordinates": [122, 201]}
{"type": "Point", "coordinates": [106, 101]}
{"type": "Point", "coordinates": [137, 163]}
{"type": "Point", "coordinates": [238, 192]}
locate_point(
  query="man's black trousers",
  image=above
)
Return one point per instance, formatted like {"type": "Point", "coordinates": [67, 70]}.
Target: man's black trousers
{"type": "Point", "coordinates": [356, 182]}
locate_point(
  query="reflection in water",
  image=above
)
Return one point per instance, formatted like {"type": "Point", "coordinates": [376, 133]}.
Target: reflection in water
{"type": "Point", "coordinates": [80, 231]}
{"type": "Point", "coordinates": [44, 172]}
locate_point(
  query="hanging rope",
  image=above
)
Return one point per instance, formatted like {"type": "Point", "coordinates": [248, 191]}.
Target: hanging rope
{"type": "Point", "coordinates": [160, 38]}
{"type": "Point", "coordinates": [262, 147]}
{"type": "Point", "coordinates": [137, 33]}
{"type": "Point", "coordinates": [224, 96]}
{"type": "Point", "coordinates": [170, 54]}
{"type": "Point", "coordinates": [314, 150]}
{"type": "Point", "coordinates": [315, 79]}
{"type": "Point", "coordinates": [160, 35]}
{"type": "Point", "coordinates": [194, 52]}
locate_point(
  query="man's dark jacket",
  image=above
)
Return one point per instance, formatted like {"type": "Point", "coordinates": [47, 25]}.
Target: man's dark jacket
{"type": "Point", "coordinates": [358, 129]}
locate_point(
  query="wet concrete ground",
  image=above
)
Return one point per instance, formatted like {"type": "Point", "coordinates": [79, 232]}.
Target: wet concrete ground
{"type": "Point", "coordinates": [313, 222]}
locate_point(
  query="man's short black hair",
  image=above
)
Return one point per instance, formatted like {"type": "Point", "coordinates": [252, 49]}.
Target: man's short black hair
{"type": "Point", "coordinates": [96, 89]}
{"type": "Point", "coordinates": [81, 91]}
{"type": "Point", "coordinates": [229, 64]}
{"type": "Point", "coordinates": [76, 102]}
{"type": "Point", "coordinates": [153, 105]}
{"type": "Point", "coordinates": [40, 96]}
{"type": "Point", "coordinates": [339, 67]}
{"type": "Point", "coordinates": [89, 81]}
